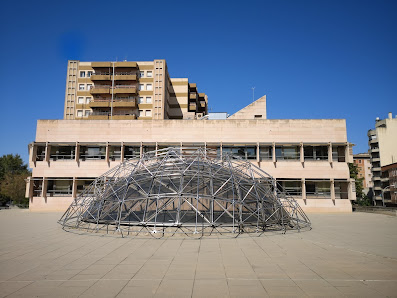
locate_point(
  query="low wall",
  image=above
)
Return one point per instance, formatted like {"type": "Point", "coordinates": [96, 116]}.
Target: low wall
{"type": "Point", "coordinates": [379, 210]}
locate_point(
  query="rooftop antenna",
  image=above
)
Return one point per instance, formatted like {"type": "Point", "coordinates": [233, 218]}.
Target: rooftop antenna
{"type": "Point", "coordinates": [253, 94]}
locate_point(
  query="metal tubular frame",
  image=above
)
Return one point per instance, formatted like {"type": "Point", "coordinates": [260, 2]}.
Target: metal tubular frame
{"type": "Point", "coordinates": [184, 190]}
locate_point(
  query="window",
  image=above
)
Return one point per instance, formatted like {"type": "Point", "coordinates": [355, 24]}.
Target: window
{"type": "Point", "coordinates": [89, 74]}
{"type": "Point", "coordinates": [149, 74]}
{"type": "Point", "coordinates": [140, 87]}
{"type": "Point", "coordinates": [149, 87]}
{"type": "Point", "coordinates": [80, 100]}
{"type": "Point", "coordinates": [148, 99]}
{"type": "Point", "coordinates": [265, 152]}
{"type": "Point", "coordinates": [148, 113]}
{"type": "Point", "coordinates": [140, 99]}
{"type": "Point", "coordinates": [81, 87]}
{"type": "Point", "coordinates": [89, 86]}
{"type": "Point", "coordinates": [258, 116]}
{"type": "Point", "coordinates": [82, 74]}
{"type": "Point", "coordinates": [87, 113]}
{"type": "Point", "coordinates": [79, 113]}
{"type": "Point", "coordinates": [87, 99]}
{"type": "Point", "coordinates": [141, 74]}
{"type": "Point", "coordinates": [140, 113]}
{"type": "Point", "coordinates": [287, 153]}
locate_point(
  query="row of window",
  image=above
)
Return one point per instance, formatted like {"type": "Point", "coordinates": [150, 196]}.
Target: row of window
{"type": "Point", "coordinates": [84, 87]}
{"type": "Point", "coordinates": [294, 187]}
{"type": "Point", "coordinates": [147, 87]}
{"type": "Point", "coordinates": [311, 153]}
{"type": "Point", "coordinates": [142, 74]}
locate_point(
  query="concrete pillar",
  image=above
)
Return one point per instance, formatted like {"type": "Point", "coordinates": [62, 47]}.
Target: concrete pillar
{"type": "Point", "coordinates": [257, 152]}
{"type": "Point", "coordinates": [332, 189]}
{"type": "Point", "coordinates": [47, 152]}
{"type": "Point", "coordinates": [330, 153]}
{"type": "Point", "coordinates": [77, 157]}
{"type": "Point", "coordinates": [33, 152]}
{"type": "Point", "coordinates": [351, 194]}
{"type": "Point", "coordinates": [221, 147]}
{"type": "Point", "coordinates": [274, 152]}
{"type": "Point", "coordinates": [28, 188]}
{"type": "Point", "coordinates": [156, 148]}
{"type": "Point", "coordinates": [141, 150]}
{"type": "Point", "coordinates": [74, 187]}
{"type": "Point", "coordinates": [302, 154]}
{"type": "Point", "coordinates": [303, 189]}
{"type": "Point", "coordinates": [107, 152]}
{"type": "Point", "coordinates": [122, 148]}
{"type": "Point", "coordinates": [347, 152]}
{"type": "Point", "coordinates": [44, 188]}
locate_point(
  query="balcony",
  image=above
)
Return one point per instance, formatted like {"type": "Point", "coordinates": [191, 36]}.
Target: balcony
{"type": "Point", "coordinates": [125, 64]}
{"type": "Point", "coordinates": [125, 76]}
{"type": "Point", "coordinates": [126, 89]}
{"type": "Point", "coordinates": [377, 169]}
{"type": "Point", "coordinates": [202, 104]}
{"type": "Point", "coordinates": [193, 96]}
{"type": "Point", "coordinates": [98, 89]}
{"type": "Point", "coordinates": [101, 64]}
{"type": "Point", "coordinates": [98, 76]}
{"type": "Point", "coordinates": [118, 102]}
{"type": "Point", "coordinates": [375, 150]}
{"type": "Point", "coordinates": [123, 117]}
{"type": "Point", "coordinates": [98, 116]}
{"type": "Point", "coordinates": [376, 178]}
{"type": "Point", "coordinates": [192, 106]}
{"type": "Point", "coordinates": [376, 159]}
{"type": "Point", "coordinates": [373, 141]}
{"type": "Point", "coordinates": [202, 95]}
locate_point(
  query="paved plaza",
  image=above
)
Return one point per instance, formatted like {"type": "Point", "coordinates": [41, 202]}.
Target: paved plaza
{"type": "Point", "coordinates": [343, 255]}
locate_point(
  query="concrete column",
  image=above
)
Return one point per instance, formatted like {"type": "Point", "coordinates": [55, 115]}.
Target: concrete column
{"type": "Point", "coordinates": [122, 148]}
{"type": "Point", "coordinates": [33, 152]}
{"type": "Point", "coordinates": [74, 188]}
{"type": "Point", "coordinates": [332, 189]}
{"type": "Point", "coordinates": [47, 152]}
{"type": "Point", "coordinates": [77, 157]}
{"type": "Point", "coordinates": [221, 147]}
{"type": "Point", "coordinates": [274, 152]}
{"type": "Point", "coordinates": [107, 152]}
{"type": "Point", "coordinates": [141, 150]}
{"type": "Point", "coordinates": [28, 188]}
{"type": "Point", "coordinates": [351, 194]}
{"type": "Point", "coordinates": [302, 153]}
{"type": "Point", "coordinates": [347, 152]}
{"type": "Point", "coordinates": [156, 148]}
{"type": "Point", "coordinates": [303, 189]}
{"type": "Point", "coordinates": [44, 188]}
{"type": "Point", "coordinates": [257, 152]}
{"type": "Point", "coordinates": [330, 152]}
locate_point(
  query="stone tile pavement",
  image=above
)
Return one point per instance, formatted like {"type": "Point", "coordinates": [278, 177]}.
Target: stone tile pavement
{"type": "Point", "coordinates": [345, 255]}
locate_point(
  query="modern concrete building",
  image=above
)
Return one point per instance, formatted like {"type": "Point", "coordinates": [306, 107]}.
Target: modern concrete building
{"type": "Point", "coordinates": [309, 157]}
{"type": "Point", "coordinates": [129, 90]}
{"type": "Point", "coordinates": [383, 150]}
{"type": "Point", "coordinates": [363, 163]}
{"type": "Point", "coordinates": [389, 183]}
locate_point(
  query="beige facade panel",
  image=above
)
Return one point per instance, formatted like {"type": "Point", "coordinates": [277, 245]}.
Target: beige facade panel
{"type": "Point", "coordinates": [257, 109]}
{"type": "Point", "coordinates": [241, 131]}
{"type": "Point", "coordinates": [125, 64]}
{"type": "Point", "coordinates": [144, 92]}
{"type": "Point", "coordinates": [97, 77]}
{"type": "Point", "coordinates": [101, 64]}
{"type": "Point", "coordinates": [146, 80]}
{"type": "Point", "coordinates": [145, 67]}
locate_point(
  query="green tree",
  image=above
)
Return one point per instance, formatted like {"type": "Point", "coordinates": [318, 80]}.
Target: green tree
{"type": "Point", "coordinates": [361, 198]}
{"type": "Point", "coordinates": [13, 173]}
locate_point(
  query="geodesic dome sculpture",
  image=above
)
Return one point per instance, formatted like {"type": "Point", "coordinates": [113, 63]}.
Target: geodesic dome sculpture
{"type": "Point", "coordinates": [184, 190]}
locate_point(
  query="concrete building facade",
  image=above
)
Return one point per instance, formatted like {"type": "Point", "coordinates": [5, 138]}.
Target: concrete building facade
{"type": "Point", "coordinates": [382, 141]}
{"type": "Point", "coordinates": [309, 158]}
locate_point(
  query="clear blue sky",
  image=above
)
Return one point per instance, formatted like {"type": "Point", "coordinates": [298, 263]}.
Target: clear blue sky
{"type": "Point", "coordinates": [313, 59]}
